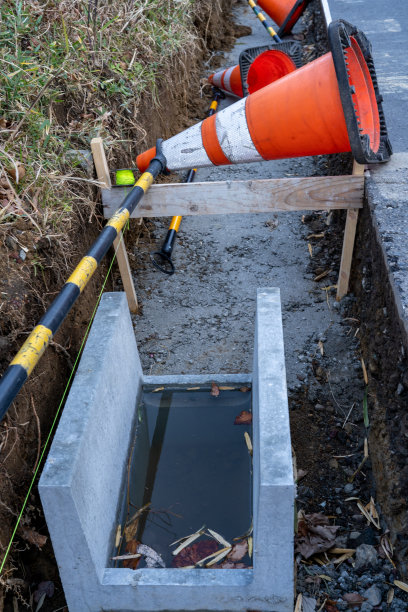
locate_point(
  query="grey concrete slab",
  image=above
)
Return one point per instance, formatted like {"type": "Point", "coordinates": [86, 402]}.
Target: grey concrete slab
{"type": "Point", "coordinates": [81, 482]}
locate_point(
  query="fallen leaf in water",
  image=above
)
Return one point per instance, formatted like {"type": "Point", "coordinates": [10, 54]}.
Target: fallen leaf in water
{"type": "Point", "coordinates": [314, 534]}
{"type": "Point", "coordinates": [215, 390]}
{"type": "Point", "coordinates": [152, 558]}
{"type": "Point", "coordinates": [195, 552]}
{"type": "Point", "coordinates": [220, 555]}
{"type": "Point", "coordinates": [245, 389]}
{"type": "Point", "coordinates": [222, 388]}
{"type": "Point", "coordinates": [353, 599]}
{"type": "Point", "coordinates": [33, 537]}
{"type": "Point", "coordinates": [244, 418]}
{"type": "Point", "coordinates": [118, 535]}
{"type": "Point", "coordinates": [238, 551]}
{"type": "Point", "coordinates": [133, 523]}
{"type": "Point", "coordinates": [248, 442]}
{"type": "Point", "coordinates": [131, 548]}
{"type": "Point", "coordinates": [250, 546]}
{"type": "Point", "coordinates": [186, 541]}
{"type": "Point", "coordinates": [157, 389]}
{"type": "Point", "coordinates": [219, 538]}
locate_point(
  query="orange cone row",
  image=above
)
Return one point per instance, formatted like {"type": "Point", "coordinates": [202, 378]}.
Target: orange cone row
{"type": "Point", "coordinates": [331, 105]}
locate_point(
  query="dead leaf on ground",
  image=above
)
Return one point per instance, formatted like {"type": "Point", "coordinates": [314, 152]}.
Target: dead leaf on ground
{"type": "Point", "coordinates": [46, 587]}
{"type": "Point", "coordinates": [401, 585]}
{"type": "Point", "coordinates": [194, 553]}
{"type": "Point", "coordinates": [353, 599]}
{"type": "Point", "coordinates": [308, 604]}
{"type": "Point", "coordinates": [322, 275]}
{"type": "Point", "coordinates": [33, 537]}
{"type": "Point", "coordinates": [315, 534]}
{"type": "Point", "coordinates": [238, 551]}
{"type": "Point", "coordinates": [330, 606]}
{"type": "Point", "coordinates": [16, 173]}
{"type": "Point", "coordinates": [215, 390]}
{"type": "Point", "coordinates": [244, 418]}
{"type": "Point", "coordinates": [321, 347]}
{"type": "Point", "coordinates": [309, 246]}
{"type": "Point", "coordinates": [300, 474]}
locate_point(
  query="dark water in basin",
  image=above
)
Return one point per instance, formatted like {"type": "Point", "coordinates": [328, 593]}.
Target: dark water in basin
{"type": "Point", "coordinates": [192, 463]}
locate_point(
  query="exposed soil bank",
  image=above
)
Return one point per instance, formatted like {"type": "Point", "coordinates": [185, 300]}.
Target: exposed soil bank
{"type": "Point", "coordinates": [385, 353]}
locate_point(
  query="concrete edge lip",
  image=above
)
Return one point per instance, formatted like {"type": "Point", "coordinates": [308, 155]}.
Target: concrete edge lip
{"type": "Point", "coordinates": [81, 482]}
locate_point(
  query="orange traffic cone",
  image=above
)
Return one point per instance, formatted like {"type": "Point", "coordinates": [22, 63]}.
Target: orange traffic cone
{"type": "Point", "coordinates": [229, 80]}
{"type": "Point", "coordinates": [258, 67]}
{"type": "Point", "coordinates": [331, 105]}
{"type": "Point", "coordinates": [284, 13]}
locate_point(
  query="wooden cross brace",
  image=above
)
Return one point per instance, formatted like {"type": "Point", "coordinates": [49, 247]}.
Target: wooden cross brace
{"type": "Point", "coordinates": [238, 197]}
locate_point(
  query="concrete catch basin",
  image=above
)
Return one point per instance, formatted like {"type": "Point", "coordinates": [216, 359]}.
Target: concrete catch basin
{"type": "Point", "coordinates": [107, 438]}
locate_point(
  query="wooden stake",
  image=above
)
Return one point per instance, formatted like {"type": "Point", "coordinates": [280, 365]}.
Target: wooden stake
{"type": "Point", "coordinates": [102, 171]}
{"type": "Point", "coordinates": [348, 242]}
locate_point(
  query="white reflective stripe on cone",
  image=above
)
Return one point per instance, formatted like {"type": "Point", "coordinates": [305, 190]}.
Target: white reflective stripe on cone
{"type": "Point", "coordinates": [217, 78]}
{"type": "Point", "coordinates": [185, 150]}
{"type": "Point", "coordinates": [227, 78]}
{"type": "Point", "coordinates": [233, 134]}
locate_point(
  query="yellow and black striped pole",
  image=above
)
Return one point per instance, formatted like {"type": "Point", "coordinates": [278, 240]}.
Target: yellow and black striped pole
{"type": "Point", "coordinates": [162, 259]}
{"type": "Point", "coordinates": [264, 21]}
{"type": "Point", "coordinates": [30, 353]}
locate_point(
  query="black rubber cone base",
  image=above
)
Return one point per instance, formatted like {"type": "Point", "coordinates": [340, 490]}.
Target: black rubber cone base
{"type": "Point", "coordinates": [293, 16]}
{"type": "Point", "coordinates": [340, 34]}
{"type": "Point", "coordinates": [292, 48]}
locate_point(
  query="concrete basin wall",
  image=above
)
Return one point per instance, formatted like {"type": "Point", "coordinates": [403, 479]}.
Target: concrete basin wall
{"type": "Point", "coordinates": [82, 479]}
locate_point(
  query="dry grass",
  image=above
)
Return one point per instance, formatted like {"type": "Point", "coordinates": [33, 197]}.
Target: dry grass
{"type": "Point", "coordinates": [71, 70]}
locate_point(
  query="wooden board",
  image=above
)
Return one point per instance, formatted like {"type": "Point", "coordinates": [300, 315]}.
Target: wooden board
{"type": "Point", "coordinates": [348, 242]}
{"type": "Point", "coordinates": [228, 197]}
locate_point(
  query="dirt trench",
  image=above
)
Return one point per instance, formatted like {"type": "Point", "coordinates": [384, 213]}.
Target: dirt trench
{"type": "Point", "coordinates": [201, 320]}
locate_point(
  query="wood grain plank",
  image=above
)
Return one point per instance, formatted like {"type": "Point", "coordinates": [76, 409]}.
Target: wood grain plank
{"type": "Point", "coordinates": [240, 197]}
{"type": "Point", "coordinates": [348, 242]}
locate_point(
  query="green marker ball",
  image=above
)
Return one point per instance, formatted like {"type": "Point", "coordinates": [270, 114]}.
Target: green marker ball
{"type": "Point", "coordinates": [125, 177]}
